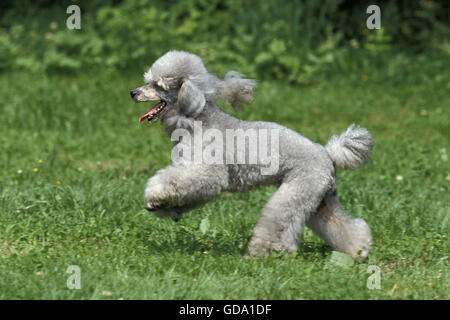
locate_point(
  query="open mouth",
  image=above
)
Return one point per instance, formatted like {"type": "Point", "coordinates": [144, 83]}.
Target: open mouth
{"type": "Point", "coordinates": [155, 113]}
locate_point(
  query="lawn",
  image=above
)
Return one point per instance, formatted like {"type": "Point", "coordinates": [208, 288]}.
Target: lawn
{"type": "Point", "coordinates": [75, 160]}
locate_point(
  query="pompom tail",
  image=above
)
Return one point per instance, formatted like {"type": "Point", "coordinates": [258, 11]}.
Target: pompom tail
{"type": "Point", "coordinates": [351, 149]}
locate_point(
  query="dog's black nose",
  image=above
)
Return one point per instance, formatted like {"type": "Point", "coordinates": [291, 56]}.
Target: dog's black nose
{"type": "Point", "coordinates": [133, 93]}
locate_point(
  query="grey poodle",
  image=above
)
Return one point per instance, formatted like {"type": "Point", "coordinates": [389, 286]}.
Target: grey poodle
{"type": "Point", "coordinates": [304, 171]}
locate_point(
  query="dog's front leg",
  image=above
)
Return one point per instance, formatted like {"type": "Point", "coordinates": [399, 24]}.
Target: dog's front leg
{"type": "Point", "coordinates": [184, 186]}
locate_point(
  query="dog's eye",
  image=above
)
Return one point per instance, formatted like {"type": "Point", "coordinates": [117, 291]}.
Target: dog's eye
{"type": "Point", "coordinates": [160, 85]}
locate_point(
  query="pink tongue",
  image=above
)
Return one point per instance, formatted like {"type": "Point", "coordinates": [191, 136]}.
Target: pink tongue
{"type": "Point", "coordinates": [150, 113]}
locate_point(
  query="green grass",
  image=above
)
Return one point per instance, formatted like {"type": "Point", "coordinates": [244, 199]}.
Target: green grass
{"type": "Point", "coordinates": [83, 206]}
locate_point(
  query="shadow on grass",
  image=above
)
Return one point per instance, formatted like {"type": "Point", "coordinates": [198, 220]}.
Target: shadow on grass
{"type": "Point", "coordinates": [190, 244]}
{"type": "Point", "coordinates": [308, 248]}
{"type": "Point", "coordinates": [220, 245]}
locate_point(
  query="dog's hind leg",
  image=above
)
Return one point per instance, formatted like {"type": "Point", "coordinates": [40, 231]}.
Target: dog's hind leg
{"type": "Point", "coordinates": [343, 233]}
{"type": "Point", "coordinates": [285, 214]}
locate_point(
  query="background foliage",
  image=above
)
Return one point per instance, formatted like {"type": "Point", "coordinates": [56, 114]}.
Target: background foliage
{"type": "Point", "coordinates": [291, 40]}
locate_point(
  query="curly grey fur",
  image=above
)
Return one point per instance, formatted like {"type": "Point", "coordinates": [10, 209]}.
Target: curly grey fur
{"type": "Point", "coordinates": [187, 66]}
{"type": "Point", "coordinates": [305, 178]}
{"type": "Point", "coordinates": [350, 149]}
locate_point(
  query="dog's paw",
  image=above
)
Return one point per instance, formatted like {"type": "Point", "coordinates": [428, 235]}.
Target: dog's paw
{"type": "Point", "coordinates": [359, 240]}
{"type": "Point", "coordinates": [152, 207]}
{"type": "Point", "coordinates": [158, 195]}
{"type": "Point", "coordinates": [259, 248]}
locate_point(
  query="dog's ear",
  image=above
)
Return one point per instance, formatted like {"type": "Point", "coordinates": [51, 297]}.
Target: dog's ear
{"type": "Point", "coordinates": [191, 99]}
{"type": "Point", "coordinates": [237, 90]}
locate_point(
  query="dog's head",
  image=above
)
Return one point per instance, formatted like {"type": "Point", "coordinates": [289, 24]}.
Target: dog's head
{"type": "Point", "coordinates": [180, 82]}
{"type": "Point", "coordinates": [169, 82]}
